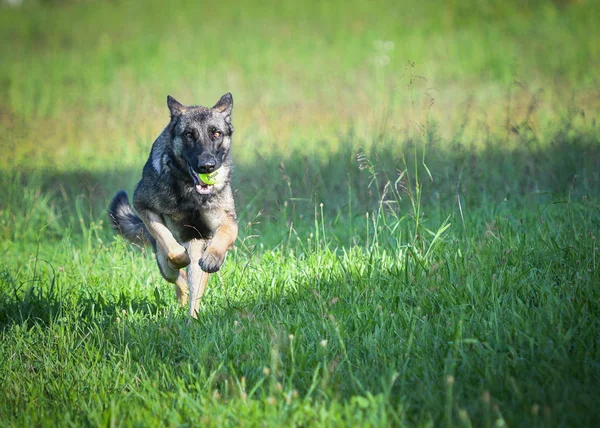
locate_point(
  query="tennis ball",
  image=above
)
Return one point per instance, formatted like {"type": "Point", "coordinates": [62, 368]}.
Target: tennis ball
{"type": "Point", "coordinates": [211, 178]}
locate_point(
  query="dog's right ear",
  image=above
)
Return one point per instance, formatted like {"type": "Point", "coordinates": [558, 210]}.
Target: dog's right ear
{"type": "Point", "coordinates": [175, 107]}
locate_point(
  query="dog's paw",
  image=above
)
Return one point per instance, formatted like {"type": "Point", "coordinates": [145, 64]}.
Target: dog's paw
{"type": "Point", "coordinates": [212, 260]}
{"type": "Point", "coordinates": [179, 260]}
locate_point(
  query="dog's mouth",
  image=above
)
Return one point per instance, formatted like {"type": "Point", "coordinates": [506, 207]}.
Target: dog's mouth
{"type": "Point", "coordinates": [200, 186]}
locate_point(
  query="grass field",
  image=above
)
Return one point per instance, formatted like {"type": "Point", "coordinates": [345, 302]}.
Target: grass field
{"type": "Point", "coordinates": [417, 186]}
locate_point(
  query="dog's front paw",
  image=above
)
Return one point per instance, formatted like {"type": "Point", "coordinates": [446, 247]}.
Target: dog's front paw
{"type": "Point", "coordinates": [179, 260]}
{"type": "Point", "coordinates": [212, 260]}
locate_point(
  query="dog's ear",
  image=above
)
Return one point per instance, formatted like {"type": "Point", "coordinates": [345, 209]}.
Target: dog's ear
{"type": "Point", "coordinates": [175, 107]}
{"type": "Point", "coordinates": [225, 106]}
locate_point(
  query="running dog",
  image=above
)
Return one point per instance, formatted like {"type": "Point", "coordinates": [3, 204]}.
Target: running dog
{"type": "Point", "coordinates": [184, 201]}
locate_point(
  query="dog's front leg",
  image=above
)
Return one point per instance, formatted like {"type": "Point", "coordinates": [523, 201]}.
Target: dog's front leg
{"type": "Point", "coordinates": [196, 277]}
{"type": "Point", "coordinates": [176, 253]}
{"type": "Point", "coordinates": [222, 241]}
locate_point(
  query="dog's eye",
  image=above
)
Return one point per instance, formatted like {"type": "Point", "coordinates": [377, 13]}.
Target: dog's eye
{"type": "Point", "coordinates": [189, 134]}
{"type": "Point", "coordinates": [217, 134]}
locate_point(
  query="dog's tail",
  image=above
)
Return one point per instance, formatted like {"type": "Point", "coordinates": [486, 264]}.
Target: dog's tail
{"type": "Point", "coordinates": [125, 221]}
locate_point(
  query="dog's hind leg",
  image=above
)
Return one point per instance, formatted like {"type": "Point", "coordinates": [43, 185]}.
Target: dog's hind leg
{"type": "Point", "coordinates": [174, 276]}
{"type": "Point", "coordinates": [197, 278]}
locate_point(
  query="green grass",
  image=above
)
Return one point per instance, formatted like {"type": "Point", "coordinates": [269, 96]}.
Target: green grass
{"type": "Point", "coordinates": [417, 192]}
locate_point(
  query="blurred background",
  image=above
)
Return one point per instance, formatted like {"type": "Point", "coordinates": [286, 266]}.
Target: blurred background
{"type": "Point", "coordinates": [315, 84]}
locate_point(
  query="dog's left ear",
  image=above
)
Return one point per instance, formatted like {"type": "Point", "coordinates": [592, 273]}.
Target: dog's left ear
{"type": "Point", "coordinates": [225, 106]}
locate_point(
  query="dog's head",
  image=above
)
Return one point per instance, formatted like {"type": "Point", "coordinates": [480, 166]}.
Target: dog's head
{"type": "Point", "coordinates": [201, 138]}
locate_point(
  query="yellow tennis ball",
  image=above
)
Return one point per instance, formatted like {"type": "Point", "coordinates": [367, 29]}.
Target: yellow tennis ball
{"type": "Point", "coordinates": [211, 178]}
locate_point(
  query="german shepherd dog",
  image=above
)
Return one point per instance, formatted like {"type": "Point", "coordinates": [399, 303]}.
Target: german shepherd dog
{"type": "Point", "coordinates": [187, 221]}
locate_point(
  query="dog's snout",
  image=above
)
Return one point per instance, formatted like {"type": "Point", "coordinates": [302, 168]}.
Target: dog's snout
{"type": "Point", "coordinates": [206, 163]}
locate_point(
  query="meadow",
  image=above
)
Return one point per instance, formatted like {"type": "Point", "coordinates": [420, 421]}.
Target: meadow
{"type": "Point", "coordinates": [417, 188]}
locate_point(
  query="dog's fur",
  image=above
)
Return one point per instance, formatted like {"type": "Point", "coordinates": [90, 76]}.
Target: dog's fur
{"type": "Point", "coordinates": [187, 222]}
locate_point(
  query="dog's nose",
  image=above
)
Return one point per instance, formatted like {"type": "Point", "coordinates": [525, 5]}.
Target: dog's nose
{"type": "Point", "coordinates": [206, 163]}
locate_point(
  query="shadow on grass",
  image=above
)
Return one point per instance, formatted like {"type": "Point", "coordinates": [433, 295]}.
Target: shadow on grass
{"type": "Point", "coordinates": [40, 301]}
{"type": "Point", "coordinates": [352, 181]}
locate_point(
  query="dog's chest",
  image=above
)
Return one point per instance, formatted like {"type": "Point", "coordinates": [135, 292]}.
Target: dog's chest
{"type": "Point", "coordinates": [192, 225]}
